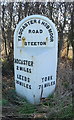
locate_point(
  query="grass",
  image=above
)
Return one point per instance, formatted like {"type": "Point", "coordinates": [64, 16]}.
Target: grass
{"type": "Point", "coordinates": [27, 108]}
{"type": "Point", "coordinates": [63, 110]}
{"type": "Point", "coordinates": [23, 106]}
{"type": "Point", "coordinates": [66, 112]}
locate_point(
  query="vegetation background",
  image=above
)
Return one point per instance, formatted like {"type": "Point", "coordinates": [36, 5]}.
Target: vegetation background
{"type": "Point", "coordinates": [59, 105]}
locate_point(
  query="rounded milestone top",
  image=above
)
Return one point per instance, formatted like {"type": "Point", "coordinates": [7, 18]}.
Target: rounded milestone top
{"type": "Point", "coordinates": [35, 31]}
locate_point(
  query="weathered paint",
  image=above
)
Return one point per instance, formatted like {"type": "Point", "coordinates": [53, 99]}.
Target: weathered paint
{"type": "Point", "coordinates": [35, 57]}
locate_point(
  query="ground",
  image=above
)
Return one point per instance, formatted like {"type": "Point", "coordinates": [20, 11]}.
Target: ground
{"type": "Point", "coordinates": [58, 105]}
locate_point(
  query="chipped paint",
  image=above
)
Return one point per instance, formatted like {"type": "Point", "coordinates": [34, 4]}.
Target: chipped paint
{"type": "Point", "coordinates": [34, 99]}
{"type": "Point", "coordinates": [46, 38]}
{"type": "Point", "coordinates": [20, 51]}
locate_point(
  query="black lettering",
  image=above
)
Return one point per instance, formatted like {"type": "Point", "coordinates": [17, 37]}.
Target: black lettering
{"type": "Point", "coordinates": [38, 43]}
{"type": "Point", "coordinates": [31, 22]}
{"type": "Point", "coordinates": [33, 31]}
{"type": "Point", "coordinates": [25, 78]}
{"type": "Point", "coordinates": [25, 43]}
{"type": "Point", "coordinates": [42, 79]}
{"type": "Point", "coordinates": [24, 62]}
{"type": "Point", "coordinates": [20, 32]}
{"type": "Point", "coordinates": [17, 81]}
{"type": "Point", "coordinates": [41, 31]}
{"type": "Point", "coordinates": [31, 63]}
{"type": "Point", "coordinates": [51, 37]}
{"type": "Point", "coordinates": [41, 43]}
{"type": "Point", "coordinates": [50, 31]}
{"type": "Point", "coordinates": [19, 36]}
{"type": "Point", "coordinates": [28, 22]}
{"type": "Point", "coordinates": [31, 43]}
{"type": "Point", "coordinates": [29, 86]}
{"type": "Point", "coordinates": [39, 21]}
{"type": "Point", "coordinates": [51, 40]}
{"type": "Point", "coordinates": [37, 31]}
{"type": "Point", "coordinates": [17, 67]}
{"type": "Point", "coordinates": [48, 27]}
{"type": "Point", "coordinates": [39, 86]}
{"type": "Point", "coordinates": [26, 85]}
{"type": "Point", "coordinates": [52, 83]}
{"type": "Point", "coordinates": [20, 83]}
{"type": "Point", "coordinates": [47, 84]}
{"type": "Point", "coordinates": [28, 79]}
{"type": "Point", "coordinates": [45, 78]}
{"type": "Point", "coordinates": [29, 31]}
{"type": "Point", "coordinates": [25, 25]}
{"type": "Point", "coordinates": [48, 77]}
{"type": "Point", "coordinates": [28, 70]}
{"type": "Point", "coordinates": [22, 77]}
{"type": "Point", "coordinates": [23, 84]}
{"type": "Point", "coordinates": [51, 34]}
{"type": "Point", "coordinates": [35, 43]}
{"type": "Point", "coordinates": [19, 39]}
{"type": "Point", "coordinates": [51, 77]}
{"type": "Point", "coordinates": [21, 68]}
{"type": "Point", "coordinates": [46, 24]}
{"type": "Point", "coordinates": [35, 21]}
{"type": "Point", "coordinates": [19, 76]}
{"type": "Point", "coordinates": [44, 43]}
{"type": "Point", "coordinates": [28, 43]}
{"type": "Point", "coordinates": [43, 23]}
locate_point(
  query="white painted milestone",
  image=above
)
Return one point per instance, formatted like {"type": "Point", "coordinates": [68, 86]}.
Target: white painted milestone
{"type": "Point", "coordinates": [35, 58]}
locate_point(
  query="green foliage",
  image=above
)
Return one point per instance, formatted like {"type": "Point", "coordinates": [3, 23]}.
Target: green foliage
{"type": "Point", "coordinates": [66, 112]}
{"type": "Point", "coordinates": [27, 108]}
{"type": "Point", "coordinates": [0, 102]}
{"type": "Point", "coordinates": [5, 102]}
{"type": "Point", "coordinates": [61, 110]}
{"type": "Point", "coordinates": [65, 84]}
{"type": "Point", "coordinates": [24, 106]}
{"type": "Point", "coordinates": [48, 103]}
{"type": "Point", "coordinates": [51, 96]}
